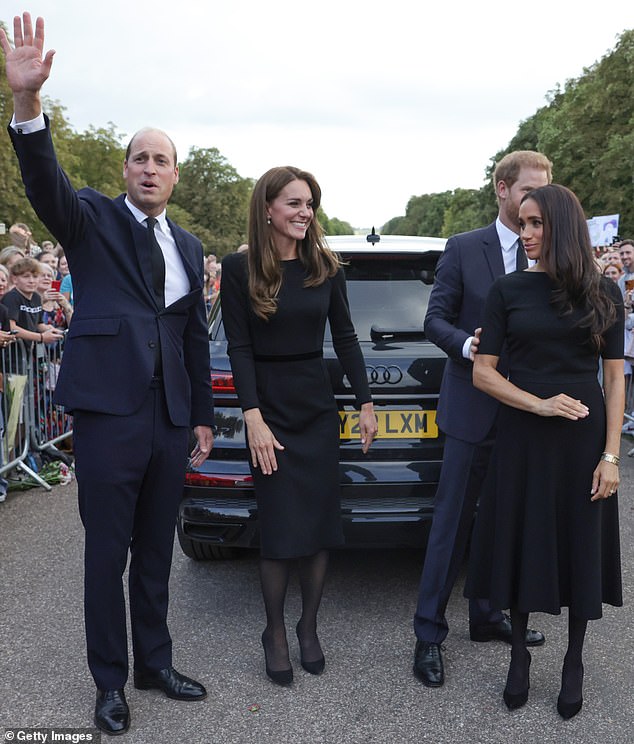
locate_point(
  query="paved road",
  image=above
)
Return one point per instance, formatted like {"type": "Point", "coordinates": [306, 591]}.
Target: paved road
{"type": "Point", "coordinates": [367, 695]}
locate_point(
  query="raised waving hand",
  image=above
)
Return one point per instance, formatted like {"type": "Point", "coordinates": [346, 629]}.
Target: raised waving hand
{"type": "Point", "coordinates": [27, 69]}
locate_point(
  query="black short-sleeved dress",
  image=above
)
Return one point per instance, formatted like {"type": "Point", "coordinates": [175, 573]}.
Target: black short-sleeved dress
{"type": "Point", "coordinates": [539, 542]}
{"type": "Point", "coordinates": [278, 367]}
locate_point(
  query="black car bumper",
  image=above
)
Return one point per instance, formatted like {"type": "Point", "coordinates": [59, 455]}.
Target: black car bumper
{"type": "Point", "coordinates": [382, 504]}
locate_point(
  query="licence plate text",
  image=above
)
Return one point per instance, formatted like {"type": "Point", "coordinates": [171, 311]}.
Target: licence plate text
{"type": "Point", "coordinates": [392, 424]}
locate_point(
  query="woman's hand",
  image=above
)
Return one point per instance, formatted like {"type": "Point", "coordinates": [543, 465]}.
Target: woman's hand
{"type": "Point", "coordinates": [605, 480]}
{"type": "Point", "coordinates": [562, 405]}
{"type": "Point", "coordinates": [262, 443]}
{"type": "Point", "coordinates": [368, 426]}
{"type": "Point", "coordinates": [51, 295]}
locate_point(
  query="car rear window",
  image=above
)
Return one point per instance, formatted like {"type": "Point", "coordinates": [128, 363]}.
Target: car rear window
{"type": "Point", "coordinates": [389, 294]}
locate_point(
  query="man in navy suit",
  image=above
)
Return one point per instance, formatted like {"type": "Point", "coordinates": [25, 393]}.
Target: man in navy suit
{"type": "Point", "coordinates": [135, 375]}
{"type": "Point", "coordinates": [469, 265]}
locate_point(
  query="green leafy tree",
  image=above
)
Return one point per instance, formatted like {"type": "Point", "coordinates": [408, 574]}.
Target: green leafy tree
{"type": "Point", "coordinates": [463, 212]}
{"type": "Point", "coordinates": [424, 215]}
{"type": "Point", "coordinates": [99, 157]}
{"type": "Point", "coordinates": [216, 197]}
{"type": "Point", "coordinates": [332, 225]}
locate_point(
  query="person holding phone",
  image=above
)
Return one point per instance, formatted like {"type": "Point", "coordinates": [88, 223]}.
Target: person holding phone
{"type": "Point", "coordinates": [56, 309]}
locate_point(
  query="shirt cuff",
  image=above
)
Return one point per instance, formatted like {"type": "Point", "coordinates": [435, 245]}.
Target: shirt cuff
{"type": "Point", "coordinates": [28, 127]}
{"type": "Point", "coordinates": [466, 349]}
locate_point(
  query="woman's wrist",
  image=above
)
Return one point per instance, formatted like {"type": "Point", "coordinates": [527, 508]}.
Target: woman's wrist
{"type": "Point", "coordinates": [609, 457]}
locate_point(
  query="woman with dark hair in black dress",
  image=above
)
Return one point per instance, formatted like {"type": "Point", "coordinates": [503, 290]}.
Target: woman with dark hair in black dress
{"type": "Point", "coordinates": [276, 298]}
{"type": "Point", "coordinates": [547, 532]}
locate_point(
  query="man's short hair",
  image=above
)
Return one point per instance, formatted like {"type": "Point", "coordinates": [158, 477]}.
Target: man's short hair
{"type": "Point", "coordinates": [25, 266]}
{"type": "Point", "coordinates": [151, 129]}
{"type": "Point", "coordinates": [508, 169]}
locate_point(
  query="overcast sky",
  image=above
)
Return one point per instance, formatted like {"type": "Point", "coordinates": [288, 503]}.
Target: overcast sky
{"type": "Point", "coordinates": [380, 100]}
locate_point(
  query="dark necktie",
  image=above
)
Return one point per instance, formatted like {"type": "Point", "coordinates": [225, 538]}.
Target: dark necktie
{"type": "Point", "coordinates": [521, 262]}
{"type": "Point", "coordinates": [158, 263]}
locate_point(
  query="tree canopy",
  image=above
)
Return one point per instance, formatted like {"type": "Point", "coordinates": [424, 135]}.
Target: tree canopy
{"type": "Point", "coordinates": [586, 130]}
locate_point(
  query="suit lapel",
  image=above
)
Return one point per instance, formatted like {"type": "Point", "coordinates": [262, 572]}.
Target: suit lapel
{"type": "Point", "coordinates": [180, 239]}
{"type": "Point", "coordinates": [493, 251]}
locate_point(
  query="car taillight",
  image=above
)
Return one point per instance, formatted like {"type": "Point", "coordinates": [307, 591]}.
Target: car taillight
{"type": "Point", "coordinates": [218, 481]}
{"type": "Point", "coordinates": [222, 382]}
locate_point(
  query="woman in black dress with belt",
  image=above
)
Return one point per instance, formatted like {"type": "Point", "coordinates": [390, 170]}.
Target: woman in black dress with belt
{"type": "Point", "coordinates": [547, 533]}
{"type": "Point", "coordinates": [276, 298]}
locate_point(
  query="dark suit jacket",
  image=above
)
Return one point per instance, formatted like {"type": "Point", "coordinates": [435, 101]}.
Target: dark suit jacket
{"type": "Point", "coordinates": [467, 268]}
{"type": "Point", "coordinates": [109, 353]}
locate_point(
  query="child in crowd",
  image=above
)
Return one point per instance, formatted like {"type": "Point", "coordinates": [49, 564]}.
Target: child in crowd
{"type": "Point", "coordinates": [24, 305]}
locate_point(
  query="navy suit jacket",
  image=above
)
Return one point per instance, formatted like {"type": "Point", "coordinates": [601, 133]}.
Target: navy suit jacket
{"type": "Point", "coordinates": [468, 266]}
{"type": "Point", "coordinates": [109, 353]}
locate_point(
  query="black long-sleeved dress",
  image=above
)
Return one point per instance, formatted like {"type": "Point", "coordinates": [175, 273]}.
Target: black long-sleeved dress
{"type": "Point", "coordinates": [540, 543]}
{"type": "Point", "coordinates": [278, 367]}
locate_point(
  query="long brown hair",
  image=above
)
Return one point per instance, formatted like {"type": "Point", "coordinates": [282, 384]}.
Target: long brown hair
{"type": "Point", "coordinates": [568, 260]}
{"type": "Point", "coordinates": [265, 271]}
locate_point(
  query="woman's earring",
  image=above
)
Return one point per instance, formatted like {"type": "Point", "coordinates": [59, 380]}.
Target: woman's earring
{"type": "Point", "coordinates": [268, 220]}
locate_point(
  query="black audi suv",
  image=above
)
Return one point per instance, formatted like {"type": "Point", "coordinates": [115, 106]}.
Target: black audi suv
{"type": "Point", "coordinates": [387, 495]}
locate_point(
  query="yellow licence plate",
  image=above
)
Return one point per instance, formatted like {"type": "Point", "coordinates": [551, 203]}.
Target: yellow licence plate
{"type": "Point", "coordinates": [392, 424]}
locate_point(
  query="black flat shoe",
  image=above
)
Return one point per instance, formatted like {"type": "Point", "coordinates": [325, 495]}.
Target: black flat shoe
{"type": "Point", "coordinates": [515, 700]}
{"type": "Point", "coordinates": [112, 715]}
{"type": "Point", "coordinates": [283, 677]}
{"type": "Point", "coordinates": [312, 667]}
{"type": "Point", "coordinates": [175, 685]}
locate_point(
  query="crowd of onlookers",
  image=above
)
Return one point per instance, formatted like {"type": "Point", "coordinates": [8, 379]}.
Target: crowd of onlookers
{"type": "Point", "coordinates": [35, 306]}
{"type": "Point", "coordinates": [617, 263]}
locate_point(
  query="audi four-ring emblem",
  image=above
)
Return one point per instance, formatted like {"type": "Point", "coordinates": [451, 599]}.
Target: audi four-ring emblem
{"type": "Point", "coordinates": [382, 375]}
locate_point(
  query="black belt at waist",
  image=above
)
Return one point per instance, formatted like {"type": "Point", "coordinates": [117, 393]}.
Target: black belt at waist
{"type": "Point", "coordinates": [288, 357]}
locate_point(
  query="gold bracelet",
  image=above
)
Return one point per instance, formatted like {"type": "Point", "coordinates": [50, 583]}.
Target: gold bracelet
{"type": "Point", "coordinates": [614, 459]}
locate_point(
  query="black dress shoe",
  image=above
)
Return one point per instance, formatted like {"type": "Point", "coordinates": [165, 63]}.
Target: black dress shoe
{"type": "Point", "coordinates": [175, 685]}
{"type": "Point", "coordinates": [568, 710]}
{"type": "Point", "coordinates": [282, 677]}
{"type": "Point", "coordinates": [516, 700]}
{"type": "Point", "coordinates": [312, 667]}
{"type": "Point", "coordinates": [428, 666]}
{"type": "Point", "coordinates": [112, 715]}
{"type": "Point", "coordinates": [502, 631]}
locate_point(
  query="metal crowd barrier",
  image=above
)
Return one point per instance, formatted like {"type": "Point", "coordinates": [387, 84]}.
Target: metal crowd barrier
{"type": "Point", "coordinates": [31, 423]}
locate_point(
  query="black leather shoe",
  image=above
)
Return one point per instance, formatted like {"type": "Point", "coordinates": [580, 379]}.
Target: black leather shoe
{"type": "Point", "coordinates": [112, 715]}
{"type": "Point", "coordinates": [175, 685]}
{"type": "Point", "coordinates": [502, 632]}
{"type": "Point", "coordinates": [428, 666]}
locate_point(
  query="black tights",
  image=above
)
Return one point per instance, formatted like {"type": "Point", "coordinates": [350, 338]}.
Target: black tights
{"type": "Point", "coordinates": [572, 671]}
{"type": "Point", "coordinates": [274, 577]}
